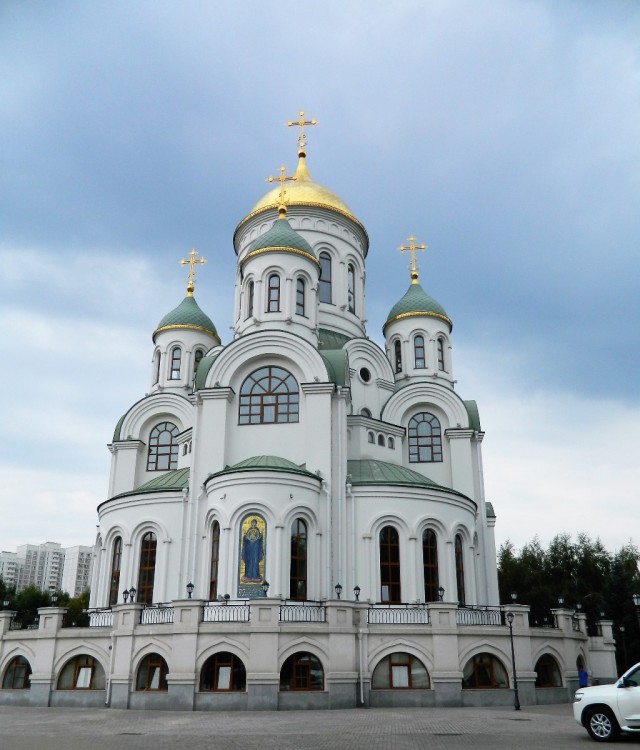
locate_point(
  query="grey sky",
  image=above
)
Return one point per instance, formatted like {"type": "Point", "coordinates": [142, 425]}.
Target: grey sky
{"type": "Point", "coordinates": [505, 135]}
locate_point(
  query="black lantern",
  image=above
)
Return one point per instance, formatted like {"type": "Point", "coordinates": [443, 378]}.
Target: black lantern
{"type": "Point", "coordinates": [54, 597]}
{"type": "Point", "coordinates": [441, 593]}
{"type": "Point", "coordinates": [132, 595]}
{"type": "Point", "coordinates": [338, 588]}
{"type": "Point", "coordinates": [190, 588]}
{"type": "Point", "coordinates": [561, 600]}
{"type": "Point", "coordinates": [514, 597]}
{"type": "Point", "coordinates": [265, 587]}
{"type": "Point", "coordinates": [356, 592]}
{"type": "Point", "coordinates": [125, 595]}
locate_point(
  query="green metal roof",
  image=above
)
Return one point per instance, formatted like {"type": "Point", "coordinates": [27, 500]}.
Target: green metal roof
{"type": "Point", "coordinates": [267, 463]}
{"type": "Point", "coordinates": [416, 302]}
{"type": "Point", "coordinates": [187, 315]}
{"type": "Point", "coordinates": [168, 481]}
{"type": "Point", "coordinates": [205, 364]}
{"type": "Point", "coordinates": [335, 360]}
{"type": "Point", "coordinates": [331, 340]}
{"type": "Point", "coordinates": [490, 511]}
{"type": "Point", "coordinates": [474, 415]}
{"type": "Point", "coordinates": [281, 237]}
{"type": "Point", "coordinates": [367, 471]}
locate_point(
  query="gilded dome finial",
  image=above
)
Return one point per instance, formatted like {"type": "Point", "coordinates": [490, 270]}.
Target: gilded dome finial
{"type": "Point", "coordinates": [282, 199]}
{"type": "Point", "coordinates": [411, 249]}
{"type": "Point", "coordinates": [302, 138]}
{"type": "Point", "coordinates": [191, 262]}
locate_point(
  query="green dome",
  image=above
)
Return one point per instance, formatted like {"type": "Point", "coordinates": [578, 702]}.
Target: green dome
{"type": "Point", "coordinates": [187, 316]}
{"type": "Point", "coordinates": [281, 238]}
{"type": "Point", "coordinates": [417, 303]}
{"type": "Point", "coordinates": [266, 463]}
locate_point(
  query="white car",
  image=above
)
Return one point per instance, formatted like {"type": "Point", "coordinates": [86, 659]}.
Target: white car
{"type": "Point", "coordinates": [606, 710]}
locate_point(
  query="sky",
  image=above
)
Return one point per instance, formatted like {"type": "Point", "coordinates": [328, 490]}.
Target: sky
{"type": "Point", "coordinates": [504, 134]}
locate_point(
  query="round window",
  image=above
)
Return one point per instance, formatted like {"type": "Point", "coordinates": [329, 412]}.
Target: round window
{"type": "Point", "coordinates": [365, 375]}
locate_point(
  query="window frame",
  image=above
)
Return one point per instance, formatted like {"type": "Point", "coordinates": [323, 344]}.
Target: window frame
{"type": "Point", "coordinates": [273, 293]}
{"type": "Point", "coordinates": [419, 352]}
{"type": "Point", "coordinates": [298, 565]}
{"type": "Point", "coordinates": [175, 363]}
{"type": "Point", "coordinates": [147, 668]}
{"type": "Point", "coordinates": [351, 288]}
{"type": "Point", "coordinates": [301, 291]}
{"type": "Point", "coordinates": [398, 659]}
{"type": "Point", "coordinates": [250, 299]}
{"type": "Point", "coordinates": [390, 571]}
{"type": "Point", "coordinates": [325, 281]}
{"type": "Point", "coordinates": [79, 663]}
{"type": "Point", "coordinates": [18, 673]}
{"type": "Point", "coordinates": [441, 356]}
{"type": "Point", "coordinates": [302, 665]}
{"type": "Point", "coordinates": [425, 448]}
{"type": "Point", "coordinates": [214, 561]}
{"type": "Point", "coordinates": [157, 451]}
{"type": "Point", "coordinates": [459, 564]}
{"type": "Point", "coordinates": [397, 356]}
{"type": "Point", "coordinates": [116, 567]}
{"type": "Point", "coordinates": [431, 573]}
{"type": "Point", "coordinates": [490, 660]}
{"type": "Point", "coordinates": [211, 669]}
{"type": "Point", "coordinates": [261, 396]}
{"type": "Point", "coordinates": [147, 567]}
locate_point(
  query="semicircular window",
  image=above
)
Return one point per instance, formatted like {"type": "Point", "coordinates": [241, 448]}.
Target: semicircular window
{"type": "Point", "coordinates": [17, 675]}
{"type": "Point", "coordinates": [302, 671]}
{"type": "Point", "coordinates": [425, 438]}
{"type": "Point", "coordinates": [152, 673]}
{"type": "Point", "coordinates": [484, 672]}
{"type": "Point", "coordinates": [163, 447]}
{"type": "Point", "coordinates": [223, 671]}
{"type": "Point", "coordinates": [547, 672]}
{"type": "Point", "coordinates": [83, 672]}
{"type": "Point", "coordinates": [269, 396]}
{"type": "Point", "coordinates": [400, 671]}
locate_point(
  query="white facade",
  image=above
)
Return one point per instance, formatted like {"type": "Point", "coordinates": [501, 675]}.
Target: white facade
{"type": "Point", "coordinates": [323, 497]}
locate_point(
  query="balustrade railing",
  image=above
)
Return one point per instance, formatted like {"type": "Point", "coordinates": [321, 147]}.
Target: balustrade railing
{"type": "Point", "coordinates": [100, 618]}
{"type": "Point", "coordinates": [156, 614]}
{"type": "Point", "coordinates": [25, 621]}
{"type": "Point", "coordinates": [303, 612]}
{"type": "Point", "coordinates": [474, 615]}
{"type": "Point", "coordinates": [398, 614]}
{"type": "Point", "coordinates": [548, 621]}
{"type": "Point", "coordinates": [214, 612]}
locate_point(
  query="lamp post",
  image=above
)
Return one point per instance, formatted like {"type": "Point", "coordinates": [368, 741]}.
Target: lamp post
{"type": "Point", "coordinates": [265, 587]}
{"type": "Point", "coordinates": [190, 588]}
{"type": "Point", "coordinates": [513, 661]}
{"type": "Point", "coordinates": [338, 588]}
{"type": "Point", "coordinates": [356, 592]}
{"type": "Point", "coordinates": [441, 593]}
{"type": "Point", "coordinates": [132, 595]}
{"type": "Point", "coordinates": [125, 596]}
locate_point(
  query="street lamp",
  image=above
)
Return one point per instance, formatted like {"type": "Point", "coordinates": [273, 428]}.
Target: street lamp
{"type": "Point", "coordinates": [125, 595]}
{"type": "Point", "coordinates": [190, 588]}
{"type": "Point", "coordinates": [338, 588]}
{"type": "Point", "coordinates": [132, 595]}
{"type": "Point", "coordinates": [356, 592]}
{"type": "Point", "coordinates": [513, 661]}
{"type": "Point", "coordinates": [265, 587]}
{"type": "Point", "coordinates": [54, 597]}
{"type": "Point", "coordinates": [441, 593]}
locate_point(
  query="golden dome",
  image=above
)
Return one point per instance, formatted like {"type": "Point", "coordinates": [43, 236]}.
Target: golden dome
{"type": "Point", "coordinates": [303, 191]}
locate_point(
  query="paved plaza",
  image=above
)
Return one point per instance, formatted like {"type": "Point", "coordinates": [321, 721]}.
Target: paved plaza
{"type": "Point", "coordinates": [544, 727]}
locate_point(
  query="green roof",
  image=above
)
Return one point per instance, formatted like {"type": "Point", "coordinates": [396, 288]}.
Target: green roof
{"type": "Point", "coordinates": [168, 481]}
{"type": "Point", "coordinates": [474, 415]}
{"type": "Point", "coordinates": [331, 340]}
{"type": "Point", "coordinates": [187, 315]}
{"type": "Point", "coordinates": [490, 511]}
{"type": "Point", "coordinates": [267, 463]}
{"type": "Point", "coordinates": [366, 472]}
{"type": "Point", "coordinates": [281, 237]}
{"type": "Point", "coordinates": [416, 302]}
{"type": "Point", "coordinates": [335, 361]}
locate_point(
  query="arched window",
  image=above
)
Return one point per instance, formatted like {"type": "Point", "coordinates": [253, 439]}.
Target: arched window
{"type": "Point", "coordinates": [152, 673]}
{"type": "Point", "coordinates": [298, 570]}
{"type": "Point", "coordinates": [391, 443]}
{"type": "Point", "coordinates": [381, 440]}
{"type": "Point", "coordinates": [223, 672]}
{"type": "Point", "coordinates": [83, 672]}
{"type": "Point", "coordinates": [302, 671]}
{"type": "Point", "coordinates": [269, 395]}
{"type": "Point", "coordinates": [17, 675]}
{"type": "Point", "coordinates": [156, 367]}
{"type": "Point", "coordinates": [418, 351]}
{"type": "Point", "coordinates": [351, 287]}
{"type": "Point", "coordinates": [459, 553]}
{"type": "Point", "coordinates": [147, 569]}
{"type": "Point", "coordinates": [215, 558]}
{"type": "Point", "coordinates": [400, 671]}
{"type": "Point", "coordinates": [371, 437]}
{"type": "Point", "coordinates": [273, 290]}
{"type": "Point", "coordinates": [397, 350]}
{"type": "Point", "coordinates": [325, 277]}
{"type": "Point", "coordinates": [197, 356]}
{"type": "Point", "coordinates": [116, 563]}
{"type": "Point", "coordinates": [484, 672]}
{"type": "Point", "coordinates": [250, 298]}
{"type": "Point", "coordinates": [365, 412]}
{"type": "Point", "coordinates": [547, 672]}
{"type": "Point", "coordinates": [163, 447]}
{"type": "Point", "coordinates": [300, 297]}
{"type": "Point", "coordinates": [430, 565]}
{"type": "Point", "coordinates": [440, 346]}
{"type": "Point", "coordinates": [389, 566]}
{"type": "Point", "coordinates": [425, 439]}
{"type": "Point", "coordinates": [176, 359]}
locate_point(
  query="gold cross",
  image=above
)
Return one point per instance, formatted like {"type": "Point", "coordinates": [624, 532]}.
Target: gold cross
{"type": "Point", "coordinates": [191, 262]}
{"type": "Point", "coordinates": [301, 122]}
{"type": "Point", "coordinates": [282, 200]}
{"type": "Point", "coordinates": [411, 248]}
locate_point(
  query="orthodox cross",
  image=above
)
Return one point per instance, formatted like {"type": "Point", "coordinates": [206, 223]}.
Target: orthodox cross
{"type": "Point", "coordinates": [301, 122]}
{"type": "Point", "coordinates": [191, 262]}
{"type": "Point", "coordinates": [411, 248]}
{"type": "Point", "coordinates": [282, 208]}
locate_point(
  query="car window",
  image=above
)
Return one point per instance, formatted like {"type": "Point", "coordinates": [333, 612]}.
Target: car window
{"type": "Point", "coordinates": [633, 677]}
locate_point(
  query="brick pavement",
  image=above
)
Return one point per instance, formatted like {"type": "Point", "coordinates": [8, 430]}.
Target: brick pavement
{"type": "Point", "coordinates": [533, 728]}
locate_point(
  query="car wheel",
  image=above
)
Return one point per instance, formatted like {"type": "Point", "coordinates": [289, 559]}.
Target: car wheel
{"type": "Point", "coordinates": [602, 725]}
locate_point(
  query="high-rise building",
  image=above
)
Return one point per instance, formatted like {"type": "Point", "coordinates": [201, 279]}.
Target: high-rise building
{"type": "Point", "coordinates": [76, 576]}
{"type": "Point", "coordinates": [40, 565]}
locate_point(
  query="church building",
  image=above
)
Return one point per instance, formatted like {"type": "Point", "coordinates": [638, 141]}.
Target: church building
{"type": "Point", "coordinates": [296, 517]}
